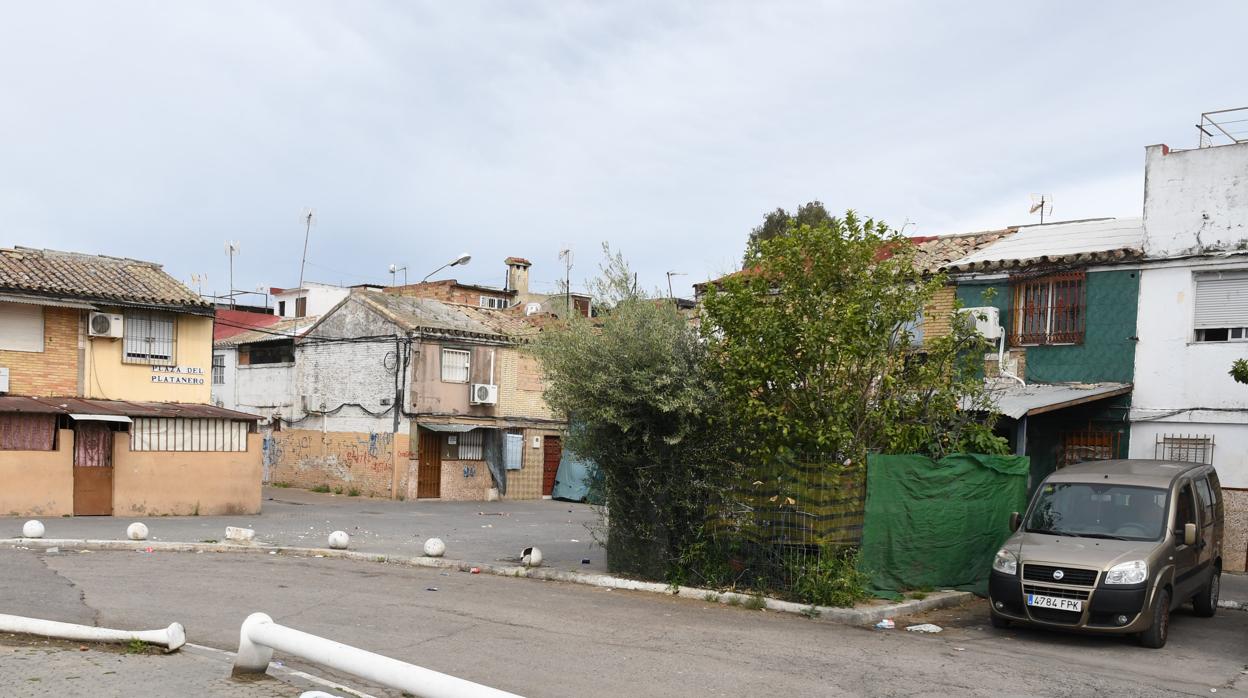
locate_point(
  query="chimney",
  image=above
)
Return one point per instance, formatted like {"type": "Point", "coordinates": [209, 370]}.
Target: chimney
{"type": "Point", "coordinates": [518, 276]}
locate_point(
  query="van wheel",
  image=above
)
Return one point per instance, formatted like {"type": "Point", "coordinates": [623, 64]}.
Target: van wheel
{"type": "Point", "coordinates": [998, 621]}
{"type": "Point", "coordinates": [1155, 636]}
{"type": "Point", "coordinates": [1206, 602]}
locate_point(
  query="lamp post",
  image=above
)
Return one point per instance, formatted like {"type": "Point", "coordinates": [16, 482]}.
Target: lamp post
{"type": "Point", "coordinates": [458, 261]}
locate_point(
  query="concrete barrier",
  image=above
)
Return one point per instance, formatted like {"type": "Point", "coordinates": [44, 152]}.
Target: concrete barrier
{"type": "Point", "coordinates": [171, 638]}
{"type": "Point", "coordinates": [259, 636]}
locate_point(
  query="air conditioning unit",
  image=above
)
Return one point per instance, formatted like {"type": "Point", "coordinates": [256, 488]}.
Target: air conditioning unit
{"type": "Point", "coordinates": [484, 394]}
{"type": "Point", "coordinates": [104, 325]}
{"type": "Point", "coordinates": [986, 320]}
{"type": "Point", "coordinates": [4, 379]}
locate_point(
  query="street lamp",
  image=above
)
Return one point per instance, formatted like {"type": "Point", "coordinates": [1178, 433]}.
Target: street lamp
{"type": "Point", "coordinates": [458, 261]}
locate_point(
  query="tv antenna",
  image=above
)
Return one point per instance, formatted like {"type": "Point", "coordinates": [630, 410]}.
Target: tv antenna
{"type": "Point", "coordinates": [1042, 204]}
{"type": "Point", "coordinates": [231, 249]}
{"type": "Point", "coordinates": [670, 274]}
{"type": "Point", "coordinates": [308, 218]}
{"type": "Point", "coordinates": [198, 280]}
{"type": "Point", "coordinates": [566, 255]}
{"type": "Point", "coordinates": [394, 269]}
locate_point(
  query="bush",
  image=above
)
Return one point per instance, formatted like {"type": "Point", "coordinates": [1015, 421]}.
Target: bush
{"type": "Point", "coordinates": [830, 578]}
{"type": "Point", "coordinates": [323, 489]}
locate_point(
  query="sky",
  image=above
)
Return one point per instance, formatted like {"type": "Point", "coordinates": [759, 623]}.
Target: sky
{"type": "Point", "coordinates": [418, 131]}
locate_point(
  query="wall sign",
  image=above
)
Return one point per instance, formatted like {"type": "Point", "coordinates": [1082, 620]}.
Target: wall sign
{"type": "Point", "coordinates": [186, 375]}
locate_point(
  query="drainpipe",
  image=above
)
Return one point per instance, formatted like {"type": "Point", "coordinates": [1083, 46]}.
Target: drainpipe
{"type": "Point", "coordinates": [1001, 362]}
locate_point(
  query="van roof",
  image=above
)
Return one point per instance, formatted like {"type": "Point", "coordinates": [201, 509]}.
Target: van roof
{"type": "Point", "coordinates": [1146, 473]}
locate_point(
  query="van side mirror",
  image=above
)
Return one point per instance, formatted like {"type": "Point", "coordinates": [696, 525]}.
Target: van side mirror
{"type": "Point", "coordinates": [1015, 521]}
{"type": "Point", "coordinates": [1189, 534]}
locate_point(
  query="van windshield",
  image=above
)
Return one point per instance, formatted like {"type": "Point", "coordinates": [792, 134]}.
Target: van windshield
{"type": "Point", "coordinates": [1094, 510]}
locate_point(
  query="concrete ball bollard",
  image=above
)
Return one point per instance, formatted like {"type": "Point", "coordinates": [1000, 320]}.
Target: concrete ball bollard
{"type": "Point", "coordinates": [137, 531]}
{"type": "Point", "coordinates": [339, 540]}
{"type": "Point", "coordinates": [531, 557]}
{"type": "Point", "coordinates": [434, 547]}
{"type": "Point", "coordinates": [32, 529]}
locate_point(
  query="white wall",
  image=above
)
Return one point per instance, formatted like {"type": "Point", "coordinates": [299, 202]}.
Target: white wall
{"type": "Point", "coordinates": [354, 376]}
{"type": "Point", "coordinates": [1230, 445]}
{"type": "Point", "coordinates": [262, 389]}
{"type": "Point", "coordinates": [320, 297]}
{"type": "Point", "coordinates": [1195, 200]}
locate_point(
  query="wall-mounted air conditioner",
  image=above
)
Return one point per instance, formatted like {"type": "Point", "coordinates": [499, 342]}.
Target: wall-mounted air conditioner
{"type": "Point", "coordinates": [986, 320]}
{"type": "Point", "coordinates": [4, 380]}
{"type": "Point", "coordinates": [104, 325]}
{"type": "Point", "coordinates": [483, 394]}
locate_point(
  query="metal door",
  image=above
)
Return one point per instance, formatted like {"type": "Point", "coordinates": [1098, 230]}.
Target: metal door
{"type": "Point", "coordinates": [552, 451]}
{"type": "Point", "coordinates": [93, 469]}
{"type": "Point", "coordinates": [429, 470]}
{"type": "Point", "coordinates": [1186, 557]}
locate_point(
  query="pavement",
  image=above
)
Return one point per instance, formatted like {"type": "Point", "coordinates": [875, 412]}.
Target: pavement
{"type": "Point", "coordinates": [486, 532]}
{"type": "Point", "coordinates": [556, 639]}
{"type": "Point", "coordinates": [1234, 591]}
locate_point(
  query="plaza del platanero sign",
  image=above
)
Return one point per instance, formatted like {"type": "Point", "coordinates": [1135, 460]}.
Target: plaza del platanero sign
{"type": "Point", "coordinates": [187, 375]}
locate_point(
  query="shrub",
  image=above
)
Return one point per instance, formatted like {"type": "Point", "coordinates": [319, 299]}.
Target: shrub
{"type": "Point", "coordinates": [828, 579]}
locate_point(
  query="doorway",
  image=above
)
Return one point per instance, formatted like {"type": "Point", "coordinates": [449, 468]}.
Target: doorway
{"type": "Point", "coordinates": [429, 469]}
{"type": "Point", "coordinates": [93, 469]}
{"type": "Point", "coordinates": [552, 451]}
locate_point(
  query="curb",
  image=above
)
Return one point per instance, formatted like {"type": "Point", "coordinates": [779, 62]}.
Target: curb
{"type": "Point", "coordinates": [862, 615]}
{"type": "Point", "coordinates": [1234, 605]}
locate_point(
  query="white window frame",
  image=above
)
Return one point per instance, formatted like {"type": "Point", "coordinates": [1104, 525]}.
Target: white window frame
{"type": "Point", "coordinates": [150, 337]}
{"type": "Point", "coordinates": [492, 302]}
{"type": "Point", "coordinates": [21, 327]}
{"type": "Point", "coordinates": [218, 369]}
{"type": "Point", "coordinates": [451, 370]}
{"type": "Point", "coordinates": [1220, 314]}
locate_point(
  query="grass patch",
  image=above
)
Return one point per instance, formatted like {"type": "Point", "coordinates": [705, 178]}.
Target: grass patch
{"type": "Point", "coordinates": [734, 600]}
{"type": "Point", "coordinates": [812, 612]}
{"type": "Point", "coordinates": [711, 597]}
{"type": "Point", "coordinates": [755, 602]}
{"type": "Point", "coordinates": [353, 492]}
{"type": "Point", "coordinates": [830, 579]}
{"type": "Point", "coordinates": [279, 484]}
{"type": "Point", "coordinates": [136, 647]}
{"type": "Point", "coordinates": [918, 595]}
{"type": "Point", "coordinates": [337, 490]}
{"type": "Point", "coordinates": [322, 489]}
{"type": "Point", "coordinates": [209, 540]}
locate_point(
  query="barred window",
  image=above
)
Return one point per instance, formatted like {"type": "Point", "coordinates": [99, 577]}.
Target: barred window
{"type": "Point", "coordinates": [468, 445]}
{"type": "Point", "coordinates": [1049, 310]}
{"type": "Point", "coordinates": [1087, 445]}
{"type": "Point", "coordinates": [455, 365]}
{"type": "Point", "coordinates": [218, 369]}
{"type": "Point", "coordinates": [149, 338]}
{"type": "Point", "coordinates": [188, 434]}
{"type": "Point", "coordinates": [1185, 448]}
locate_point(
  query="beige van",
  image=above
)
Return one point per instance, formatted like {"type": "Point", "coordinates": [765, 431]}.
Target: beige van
{"type": "Point", "coordinates": [1113, 547]}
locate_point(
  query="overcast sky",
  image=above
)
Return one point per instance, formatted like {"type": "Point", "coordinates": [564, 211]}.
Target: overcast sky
{"type": "Point", "coordinates": [421, 130]}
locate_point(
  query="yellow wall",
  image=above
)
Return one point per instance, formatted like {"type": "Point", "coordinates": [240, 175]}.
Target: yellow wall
{"type": "Point", "coordinates": [38, 483]}
{"type": "Point", "coordinates": [110, 379]}
{"type": "Point", "coordinates": [178, 483]}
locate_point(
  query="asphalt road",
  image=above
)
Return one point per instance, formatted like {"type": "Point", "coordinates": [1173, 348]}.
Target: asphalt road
{"type": "Point", "coordinates": [550, 639]}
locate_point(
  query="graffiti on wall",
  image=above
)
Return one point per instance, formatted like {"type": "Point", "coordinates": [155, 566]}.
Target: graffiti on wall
{"type": "Point", "coordinates": [308, 458]}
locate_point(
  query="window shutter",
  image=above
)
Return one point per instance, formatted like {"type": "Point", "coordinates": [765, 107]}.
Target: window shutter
{"type": "Point", "coordinates": [1221, 300]}
{"type": "Point", "coordinates": [21, 327]}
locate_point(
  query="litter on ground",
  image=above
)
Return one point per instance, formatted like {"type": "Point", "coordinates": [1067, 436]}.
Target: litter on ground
{"type": "Point", "coordinates": [886, 624]}
{"type": "Point", "coordinates": [924, 628]}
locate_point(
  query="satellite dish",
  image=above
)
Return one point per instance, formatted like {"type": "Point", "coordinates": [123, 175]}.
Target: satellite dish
{"type": "Point", "coordinates": [1041, 204]}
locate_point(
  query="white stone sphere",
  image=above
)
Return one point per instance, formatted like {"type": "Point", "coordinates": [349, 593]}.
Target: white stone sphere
{"type": "Point", "coordinates": [32, 529]}
{"type": "Point", "coordinates": [137, 531]}
{"type": "Point", "coordinates": [434, 547]}
{"type": "Point", "coordinates": [339, 540]}
{"type": "Point", "coordinates": [531, 557]}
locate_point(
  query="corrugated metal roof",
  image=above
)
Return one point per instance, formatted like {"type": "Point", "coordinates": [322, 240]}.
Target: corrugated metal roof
{"type": "Point", "coordinates": [1016, 400]}
{"type": "Point", "coordinates": [39, 300]}
{"type": "Point", "coordinates": [95, 278]}
{"type": "Point", "coordinates": [230, 322]}
{"type": "Point", "coordinates": [288, 328]}
{"type": "Point", "coordinates": [1095, 241]}
{"type": "Point", "coordinates": [75, 405]}
{"type": "Point", "coordinates": [427, 314]}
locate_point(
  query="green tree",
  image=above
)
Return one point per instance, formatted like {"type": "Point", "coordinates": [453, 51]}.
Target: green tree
{"type": "Point", "coordinates": [634, 384]}
{"type": "Point", "coordinates": [813, 354]}
{"type": "Point", "coordinates": [780, 222]}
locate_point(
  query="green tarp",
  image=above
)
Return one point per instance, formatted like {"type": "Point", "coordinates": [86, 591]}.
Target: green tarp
{"type": "Point", "coordinates": [937, 524]}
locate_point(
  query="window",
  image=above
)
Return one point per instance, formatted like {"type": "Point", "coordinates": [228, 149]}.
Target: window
{"type": "Point", "coordinates": [493, 302]}
{"type": "Point", "coordinates": [276, 352]}
{"type": "Point", "coordinates": [513, 451]}
{"type": "Point", "coordinates": [21, 327]}
{"type": "Point", "coordinates": [281, 308]}
{"type": "Point", "coordinates": [186, 434]}
{"type": "Point", "coordinates": [149, 338]}
{"type": "Point", "coordinates": [1185, 448]}
{"type": "Point", "coordinates": [1221, 307]}
{"type": "Point", "coordinates": [27, 432]}
{"type": "Point", "coordinates": [455, 365]}
{"type": "Point", "coordinates": [469, 445]}
{"type": "Point", "coordinates": [301, 306]}
{"type": "Point", "coordinates": [218, 369]}
{"type": "Point", "coordinates": [1205, 496]}
{"type": "Point", "coordinates": [1087, 445]}
{"type": "Point", "coordinates": [1184, 512]}
{"type": "Point", "coordinates": [1049, 310]}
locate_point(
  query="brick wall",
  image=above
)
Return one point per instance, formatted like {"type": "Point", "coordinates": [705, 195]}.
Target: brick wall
{"type": "Point", "coordinates": [347, 460]}
{"type": "Point", "coordinates": [349, 378]}
{"type": "Point", "coordinates": [939, 313]}
{"type": "Point", "coordinates": [465, 480]}
{"type": "Point", "coordinates": [446, 291]}
{"type": "Point", "coordinates": [526, 483]}
{"type": "Point", "coordinates": [52, 372]}
{"type": "Point", "coordinates": [521, 386]}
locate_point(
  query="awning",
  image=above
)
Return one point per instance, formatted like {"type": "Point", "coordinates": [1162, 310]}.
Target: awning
{"type": "Point", "coordinates": [40, 300]}
{"type": "Point", "coordinates": [1019, 401]}
{"type": "Point", "coordinates": [101, 418]}
{"type": "Point", "coordinates": [92, 408]}
{"type": "Point", "coordinates": [449, 428]}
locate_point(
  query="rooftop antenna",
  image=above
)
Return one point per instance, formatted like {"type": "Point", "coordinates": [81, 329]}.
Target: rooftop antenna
{"type": "Point", "coordinates": [231, 249]}
{"type": "Point", "coordinates": [198, 280]}
{"type": "Point", "coordinates": [396, 269]}
{"type": "Point", "coordinates": [906, 224]}
{"type": "Point", "coordinates": [566, 255]}
{"type": "Point", "coordinates": [308, 217]}
{"type": "Point", "coordinates": [1042, 204]}
{"type": "Point", "coordinates": [670, 274]}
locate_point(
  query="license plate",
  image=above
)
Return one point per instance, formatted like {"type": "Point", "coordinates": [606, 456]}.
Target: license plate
{"type": "Point", "coordinates": [1055, 602]}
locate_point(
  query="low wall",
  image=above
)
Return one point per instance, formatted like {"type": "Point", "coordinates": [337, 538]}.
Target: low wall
{"type": "Point", "coordinates": [186, 483]}
{"type": "Point", "coordinates": [363, 461]}
{"type": "Point", "coordinates": [38, 483]}
{"type": "Point", "coordinates": [1235, 536]}
{"type": "Point", "coordinates": [465, 480]}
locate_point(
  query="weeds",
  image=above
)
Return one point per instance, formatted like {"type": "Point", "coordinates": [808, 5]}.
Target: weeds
{"type": "Point", "coordinates": [136, 647]}
{"type": "Point", "coordinates": [209, 540]}
{"type": "Point", "coordinates": [353, 492]}
{"type": "Point", "coordinates": [279, 484]}
{"type": "Point", "coordinates": [338, 490]}
{"type": "Point", "coordinates": [322, 489]}
{"type": "Point", "coordinates": [812, 613]}
{"type": "Point", "coordinates": [711, 597]}
{"type": "Point", "coordinates": [756, 602]}
{"type": "Point", "coordinates": [734, 600]}
{"type": "Point", "coordinates": [829, 579]}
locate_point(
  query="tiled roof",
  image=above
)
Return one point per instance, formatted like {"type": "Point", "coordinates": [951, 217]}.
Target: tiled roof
{"type": "Point", "coordinates": [453, 319]}
{"type": "Point", "coordinates": [935, 252]}
{"type": "Point", "coordinates": [107, 280]}
{"type": "Point", "coordinates": [1099, 241]}
{"type": "Point", "coordinates": [284, 328]}
{"type": "Point", "coordinates": [231, 322]}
